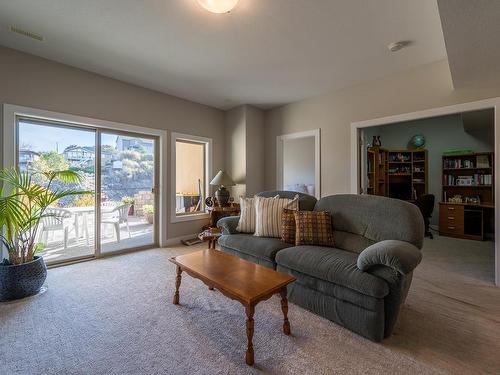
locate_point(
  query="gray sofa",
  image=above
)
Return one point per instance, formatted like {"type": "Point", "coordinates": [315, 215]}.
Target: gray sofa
{"type": "Point", "coordinates": [360, 283]}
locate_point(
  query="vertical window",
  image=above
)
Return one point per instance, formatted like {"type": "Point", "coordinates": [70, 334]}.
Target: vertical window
{"type": "Point", "coordinates": [191, 162]}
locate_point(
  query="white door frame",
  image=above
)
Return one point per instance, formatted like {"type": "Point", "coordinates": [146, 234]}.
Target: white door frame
{"type": "Point", "coordinates": [11, 112]}
{"type": "Point", "coordinates": [316, 133]}
{"type": "Point", "coordinates": [493, 103]}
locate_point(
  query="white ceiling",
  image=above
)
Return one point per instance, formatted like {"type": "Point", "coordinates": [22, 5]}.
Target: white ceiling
{"type": "Point", "coordinates": [264, 52]}
{"type": "Point", "coordinates": [471, 29]}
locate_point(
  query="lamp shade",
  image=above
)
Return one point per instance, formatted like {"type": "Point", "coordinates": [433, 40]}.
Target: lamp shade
{"type": "Point", "coordinates": [222, 178]}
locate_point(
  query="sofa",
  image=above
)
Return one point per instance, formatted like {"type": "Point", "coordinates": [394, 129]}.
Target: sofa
{"type": "Point", "coordinates": [362, 282]}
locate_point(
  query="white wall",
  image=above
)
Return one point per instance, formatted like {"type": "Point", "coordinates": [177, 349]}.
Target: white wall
{"type": "Point", "coordinates": [32, 81]}
{"type": "Point", "coordinates": [298, 161]}
{"type": "Point", "coordinates": [425, 87]}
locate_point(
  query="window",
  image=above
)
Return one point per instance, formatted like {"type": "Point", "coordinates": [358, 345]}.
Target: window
{"type": "Point", "coordinates": [191, 165]}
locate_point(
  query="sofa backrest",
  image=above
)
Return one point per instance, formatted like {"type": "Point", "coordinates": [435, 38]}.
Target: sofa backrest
{"type": "Point", "coordinates": [361, 220]}
{"type": "Point", "coordinates": [306, 202]}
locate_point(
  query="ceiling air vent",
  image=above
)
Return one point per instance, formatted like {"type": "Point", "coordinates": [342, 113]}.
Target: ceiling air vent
{"type": "Point", "coordinates": [25, 33]}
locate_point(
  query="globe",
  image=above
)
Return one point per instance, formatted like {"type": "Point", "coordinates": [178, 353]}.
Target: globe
{"type": "Point", "coordinates": [417, 141]}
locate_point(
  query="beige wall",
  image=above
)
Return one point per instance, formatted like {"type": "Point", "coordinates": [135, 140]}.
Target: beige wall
{"type": "Point", "coordinates": [31, 81]}
{"type": "Point", "coordinates": [298, 162]}
{"type": "Point", "coordinates": [426, 87]}
{"type": "Point", "coordinates": [244, 127]}
{"type": "Point", "coordinates": [235, 148]}
{"type": "Point", "coordinates": [255, 149]}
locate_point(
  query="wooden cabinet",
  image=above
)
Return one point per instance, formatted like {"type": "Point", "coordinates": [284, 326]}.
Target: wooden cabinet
{"type": "Point", "coordinates": [451, 219]}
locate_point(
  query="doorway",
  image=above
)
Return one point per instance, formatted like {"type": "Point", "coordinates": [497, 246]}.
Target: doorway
{"type": "Point", "coordinates": [298, 162]}
{"type": "Point", "coordinates": [358, 154]}
{"type": "Point", "coordinates": [119, 168]}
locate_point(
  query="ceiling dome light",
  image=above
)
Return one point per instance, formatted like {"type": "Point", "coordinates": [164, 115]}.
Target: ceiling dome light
{"type": "Point", "coordinates": [218, 6]}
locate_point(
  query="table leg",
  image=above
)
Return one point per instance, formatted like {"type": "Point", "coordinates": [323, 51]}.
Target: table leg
{"type": "Point", "coordinates": [284, 308]}
{"type": "Point", "coordinates": [249, 355]}
{"type": "Point", "coordinates": [209, 244]}
{"type": "Point", "coordinates": [177, 285]}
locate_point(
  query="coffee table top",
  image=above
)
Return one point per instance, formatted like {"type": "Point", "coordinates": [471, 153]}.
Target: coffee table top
{"type": "Point", "coordinates": [237, 278]}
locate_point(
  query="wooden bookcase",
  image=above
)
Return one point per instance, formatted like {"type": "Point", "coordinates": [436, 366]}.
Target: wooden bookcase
{"type": "Point", "coordinates": [377, 159]}
{"type": "Point", "coordinates": [407, 174]}
{"type": "Point", "coordinates": [470, 176]}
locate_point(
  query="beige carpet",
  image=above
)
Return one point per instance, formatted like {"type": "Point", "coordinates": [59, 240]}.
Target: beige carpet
{"type": "Point", "coordinates": [115, 316]}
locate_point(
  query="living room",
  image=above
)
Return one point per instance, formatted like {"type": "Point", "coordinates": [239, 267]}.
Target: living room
{"type": "Point", "coordinates": [142, 115]}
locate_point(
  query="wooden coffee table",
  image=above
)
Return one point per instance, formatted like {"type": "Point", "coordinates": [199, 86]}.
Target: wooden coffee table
{"type": "Point", "coordinates": [237, 279]}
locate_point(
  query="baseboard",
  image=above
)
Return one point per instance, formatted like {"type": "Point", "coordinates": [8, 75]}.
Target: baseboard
{"type": "Point", "coordinates": [177, 240]}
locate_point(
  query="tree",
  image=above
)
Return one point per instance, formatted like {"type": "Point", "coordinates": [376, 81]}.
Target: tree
{"type": "Point", "coordinates": [50, 161]}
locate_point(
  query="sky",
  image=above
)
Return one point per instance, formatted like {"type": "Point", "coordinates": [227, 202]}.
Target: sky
{"type": "Point", "coordinates": [43, 138]}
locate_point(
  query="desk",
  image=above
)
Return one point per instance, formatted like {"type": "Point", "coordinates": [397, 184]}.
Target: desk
{"type": "Point", "coordinates": [464, 220]}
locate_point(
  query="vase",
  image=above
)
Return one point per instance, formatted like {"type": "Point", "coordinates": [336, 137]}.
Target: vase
{"type": "Point", "coordinates": [22, 280]}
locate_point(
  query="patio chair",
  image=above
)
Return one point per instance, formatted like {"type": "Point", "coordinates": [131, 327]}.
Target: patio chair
{"type": "Point", "coordinates": [54, 221]}
{"type": "Point", "coordinates": [117, 216]}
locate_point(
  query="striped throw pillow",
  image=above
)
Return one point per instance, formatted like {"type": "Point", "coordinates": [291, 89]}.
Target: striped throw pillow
{"type": "Point", "coordinates": [313, 228]}
{"type": "Point", "coordinates": [268, 215]}
{"type": "Point", "coordinates": [246, 224]}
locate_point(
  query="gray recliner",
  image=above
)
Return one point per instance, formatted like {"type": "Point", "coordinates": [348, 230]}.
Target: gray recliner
{"type": "Point", "coordinates": [360, 283]}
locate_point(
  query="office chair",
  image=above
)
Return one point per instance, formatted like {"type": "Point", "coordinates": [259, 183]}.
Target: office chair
{"type": "Point", "coordinates": [425, 203]}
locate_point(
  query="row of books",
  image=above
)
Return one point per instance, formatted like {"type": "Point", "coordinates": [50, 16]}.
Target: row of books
{"type": "Point", "coordinates": [473, 180]}
{"type": "Point", "coordinates": [480, 161]}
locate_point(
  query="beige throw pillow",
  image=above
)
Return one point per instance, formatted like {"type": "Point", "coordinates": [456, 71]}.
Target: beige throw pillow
{"type": "Point", "coordinates": [246, 224]}
{"type": "Point", "coordinates": [268, 215]}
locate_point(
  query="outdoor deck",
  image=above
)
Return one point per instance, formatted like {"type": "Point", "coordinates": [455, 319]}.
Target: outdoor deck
{"type": "Point", "coordinates": [141, 234]}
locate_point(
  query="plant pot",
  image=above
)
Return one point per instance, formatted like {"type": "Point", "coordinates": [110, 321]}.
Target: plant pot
{"type": "Point", "coordinates": [22, 280]}
{"type": "Point", "coordinates": [150, 218]}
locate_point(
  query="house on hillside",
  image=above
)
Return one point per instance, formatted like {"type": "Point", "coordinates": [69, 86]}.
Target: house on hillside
{"type": "Point", "coordinates": [26, 157]}
{"type": "Point", "coordinates": [79, 156]}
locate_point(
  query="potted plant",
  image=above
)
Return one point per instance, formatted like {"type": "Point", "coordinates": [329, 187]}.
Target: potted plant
{"type": "Point", "coordinates": [22, 206]}
{"type": "Point", "coordinates": [149, 213]}
{"type": "Point", "coordinates": [131, 201]}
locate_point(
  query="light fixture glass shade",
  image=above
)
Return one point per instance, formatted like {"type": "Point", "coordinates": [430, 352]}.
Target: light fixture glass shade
{"type": "Point", "coordinates": [218, 6]}
{"type": "Point", "coordinates": [222, 178]}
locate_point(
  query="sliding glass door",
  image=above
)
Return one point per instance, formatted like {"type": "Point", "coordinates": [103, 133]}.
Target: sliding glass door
{"type": "Point", "coordinates": [128, 203]}
{"type": "Point", "coordinates": [120, 171]}
{"type": "Point", "coordinates": [67, 233]}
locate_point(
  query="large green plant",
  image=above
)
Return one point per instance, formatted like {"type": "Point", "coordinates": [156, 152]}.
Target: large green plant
{"type": "Point", "coordinates": [23, 203]}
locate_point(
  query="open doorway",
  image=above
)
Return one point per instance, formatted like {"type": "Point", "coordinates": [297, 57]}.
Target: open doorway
{"type": "Point", "coordinates": [446, 166]}
{"type": "Point", "coordinates": [298, 162]}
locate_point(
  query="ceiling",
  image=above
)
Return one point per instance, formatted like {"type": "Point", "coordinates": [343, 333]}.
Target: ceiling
{"type": "Point", "coordinates": [264, 53]}
{"type": "Point", "coordinates": [471, 29]}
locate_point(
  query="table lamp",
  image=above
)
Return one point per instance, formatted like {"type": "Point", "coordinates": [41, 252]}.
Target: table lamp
{"type": "Point", "coordinates": [222, 180]}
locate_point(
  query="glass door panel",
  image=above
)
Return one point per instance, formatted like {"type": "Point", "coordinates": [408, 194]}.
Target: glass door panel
{"type": "Point", "coordinates": [44, 146]}
{"type": "Point", "coordinates": [128, 200]}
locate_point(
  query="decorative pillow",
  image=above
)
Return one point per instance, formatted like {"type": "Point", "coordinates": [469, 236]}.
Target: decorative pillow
{"type": "Point", "coordinates": [268, 215]}
{"type": "Point", "coordinates": [313, 228]}
{"type": "Point", "coordinates": [246, 224]}
{"type": "Point", "coordinates": [288, 226]}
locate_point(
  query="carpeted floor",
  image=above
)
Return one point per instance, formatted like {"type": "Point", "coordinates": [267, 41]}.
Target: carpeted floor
{"type": "Point", "coordinates": [115, 316]}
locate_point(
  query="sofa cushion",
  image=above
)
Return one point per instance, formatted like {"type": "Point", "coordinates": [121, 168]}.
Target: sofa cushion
{"type": "Point", "coordinates": [313, 228]}
{"type": "Point", "coordinates": [333, 265]}
{"type": "Point", "coordinates": [259, 247]}
{"type": "Point", "coordinates": [374, 218]}
{"type": "Point", "coordinates": [306, 202]}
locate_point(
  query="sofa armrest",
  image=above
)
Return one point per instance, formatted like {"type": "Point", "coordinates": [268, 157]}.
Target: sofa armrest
{"type": "Point", "coordinates": [398, 255]}
{"type": "Point", "coordinates": [228, 224]}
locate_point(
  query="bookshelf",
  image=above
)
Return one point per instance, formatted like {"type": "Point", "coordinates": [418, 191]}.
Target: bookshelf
{"type": "Point", "coordinates": [467, 206]}
{"type": "Point", "coordinates": [469, 175]}
{"type": "Point", "coordinates": [377, 158]}
{"type": "Point", "coordinates": [407, 172]}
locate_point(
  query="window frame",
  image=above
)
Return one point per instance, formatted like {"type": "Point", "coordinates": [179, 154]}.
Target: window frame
{"type": "Point", "coordinates": [174, 217]}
